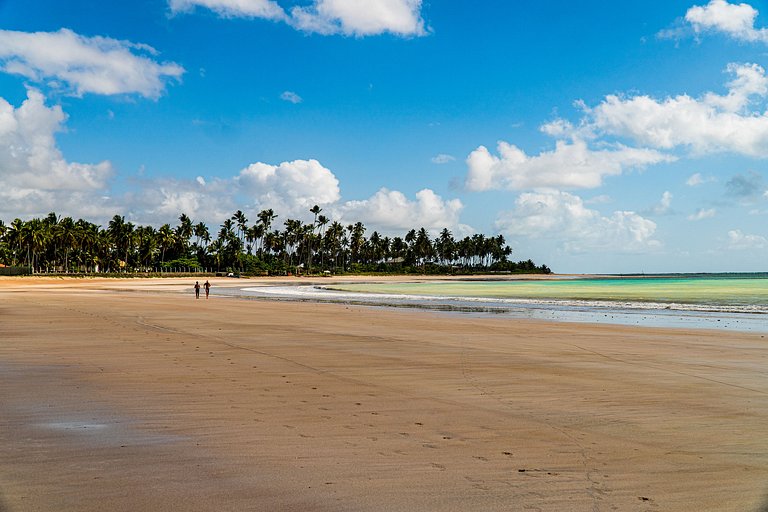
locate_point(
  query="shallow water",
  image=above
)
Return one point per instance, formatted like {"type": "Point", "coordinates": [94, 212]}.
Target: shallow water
{"type": "Point", "coordinates": [713, 302]}
{"type": "Point", "coordinates": [747, 294]}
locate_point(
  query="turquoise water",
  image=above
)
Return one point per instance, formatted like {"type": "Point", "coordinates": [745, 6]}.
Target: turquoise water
{"type": "Point", "coordinates": [724, 302]}
{"type": "Point", "coordinates": [733, 293]}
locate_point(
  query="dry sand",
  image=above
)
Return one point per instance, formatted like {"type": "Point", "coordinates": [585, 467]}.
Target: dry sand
{"type": "Point", "coordinates": [130, 395]}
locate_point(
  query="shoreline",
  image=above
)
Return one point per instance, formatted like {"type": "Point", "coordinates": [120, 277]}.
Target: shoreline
{"type": "Point", "coordinates": [146, 401]}
{"type": "Point", "coordinates": [323, 290]}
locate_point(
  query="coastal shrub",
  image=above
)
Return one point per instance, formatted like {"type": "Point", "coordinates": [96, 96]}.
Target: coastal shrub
{"type": "Point", "coordinates": [15, 271]}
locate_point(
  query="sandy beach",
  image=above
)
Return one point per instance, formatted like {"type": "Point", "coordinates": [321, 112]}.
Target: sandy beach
{"type": "Point", "coordinates": [129, 395]}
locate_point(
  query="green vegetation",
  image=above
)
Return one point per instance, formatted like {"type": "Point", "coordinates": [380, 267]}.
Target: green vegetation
{"type": "Point", "coordinates": [64, 245]}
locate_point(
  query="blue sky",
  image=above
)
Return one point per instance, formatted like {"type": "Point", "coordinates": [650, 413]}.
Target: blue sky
{"type": "Point", "coordinates": [595, 137]}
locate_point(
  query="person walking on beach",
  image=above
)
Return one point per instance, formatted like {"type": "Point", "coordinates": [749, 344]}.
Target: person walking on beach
{"type": "Point", "coordinates": [207, 287]}
{"type": "Point", "coordinates": [197, 289]}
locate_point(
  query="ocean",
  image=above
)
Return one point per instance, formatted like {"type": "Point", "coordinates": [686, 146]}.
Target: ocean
{"type": "Point", "coordinates": [714, 301]}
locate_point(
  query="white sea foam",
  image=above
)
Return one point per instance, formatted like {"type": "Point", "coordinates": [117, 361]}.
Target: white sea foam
{"type": "Point", "coordinates": [328, 294]}
{"type": "Point", "coordinates": [649, 314]}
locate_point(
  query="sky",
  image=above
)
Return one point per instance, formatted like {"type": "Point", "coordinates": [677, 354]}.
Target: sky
{"type": "Point", "coordinates": [597, 137]}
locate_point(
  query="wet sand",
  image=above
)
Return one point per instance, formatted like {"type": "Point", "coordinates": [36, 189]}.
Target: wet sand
{"type": "Point", "coordinates": [131, 395]}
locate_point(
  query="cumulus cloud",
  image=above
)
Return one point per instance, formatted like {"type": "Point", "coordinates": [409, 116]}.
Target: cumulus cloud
{"type": "Point", "coordinates": [712, 123]}
{"type": "Point", "coordinates": [35, 179]}
{"type": "Point", "coordinates": [739, 240]}
{"type": "Point", "coordinates": [563, 216]}
{"type": "Point", "coordinates": [570, 165]}
{"type": "Point", "coordinates": [391, 210]}
{"type": "Point", "coordinates": [232, 8]}
{"type": "Point", "coordinates": [291, 97]}
{"type": "Point", "coordinates": [355, 18]}
{"type": "Point", "coordinates": [159, 200]}
{"type": "Point", "coordinates": [702, 214]}
{"type": "Point", "coordinates": [34, 175]}
{"type": "Point", "coordinates": [290, 187]}
{"type": "Point", "coordinates": [97, 65]}
{"type": "Point", "coordinates": [326, 17]}
{"type": "Point", "coordinates": [734, 20]}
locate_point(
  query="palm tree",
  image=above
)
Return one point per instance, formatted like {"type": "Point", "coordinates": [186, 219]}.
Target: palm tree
{"type": "Point", "coordinates": [165, 239]}
{"type": "Point", "coordinates": [321, 222]}
{"type": "Point", "coordinates": [241, 224]}
{"type": "Point", "coordinates": [121, 235]}
{"type": "Point", "coordinates": [377, 249]}
{"type": "Point", "coordinates": [292, 236]}
{"type": "Point", "coordinates": [36, 236]}
{"type": "Point", "coordinates": [14, 237]}
{"type": "Point", "coordinates": [215, 248]}
{"type": "Point", "coordinates": [86, 235]}
{"type": "Point", "coordinates": [255, 234]}
{"type": "Point", "coordinates": [184, 232]}
{"type": "Point", "coordinates": [200, 230]}
{"type": "Point", "coordinates": [62, 243]}
{"type": "Point", "coordinates": [67, 238]}
{"type": "Point", "coordinates": [314, 210]}
{"type": "Point", "coordinates": [445, 246]}
{"type": "Point", "coordinates": [422, 246]}
{"type": "Point", "coordinates": [356, 240]}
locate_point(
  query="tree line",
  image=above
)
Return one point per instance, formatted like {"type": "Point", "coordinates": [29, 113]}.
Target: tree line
{"type": "Point", "coordinates": [62, 244]}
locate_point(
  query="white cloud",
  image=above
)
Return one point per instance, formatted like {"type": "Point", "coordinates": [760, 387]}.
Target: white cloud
{"type": "Point", "coordinates": [291, 97]}
{"type": "Point", "coordinates": [352, 17]}
{"type": "Point", "coordinates": [34, 176]}
{"type": "Point", "coordinates": [390, 210]}
{"type": "Point", "coordinates": [697, 179]}
{"type": "Point", "coordinates": [98, 65]}
{"type": "Point", "coordinates": [232, 8]}
{"type": "Point", "coordinates": [734, 20]}
{"type": "Point", "coordinates": [740, 240]}
{"type": "Point", "coordinates": [702, 214]}
{"type": "Point", "coordinates": [570, 165]}
{"type": "Point", "coordinates": [559, 128]}
{"type": "Point", "coordinates": [36, 179]}
{"type": "Point", "coordinates": [290, 188]}
{"type": "Point", "coordinates": [713, 123]}
{"type": "Point", "coordinates": [664, 205]}
{"type": "Point", "coordinates": [327, 17]}
{"type": "Point", "coordinates": [442, 158]}
{"type": "Point", "coordinates": [563, 216]}
{"type": "Point", "coordinates": [160, 200]}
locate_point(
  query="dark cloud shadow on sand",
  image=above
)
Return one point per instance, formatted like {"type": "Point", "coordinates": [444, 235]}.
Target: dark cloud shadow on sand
{"type": "Point", "coordinates": [763, 507]}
